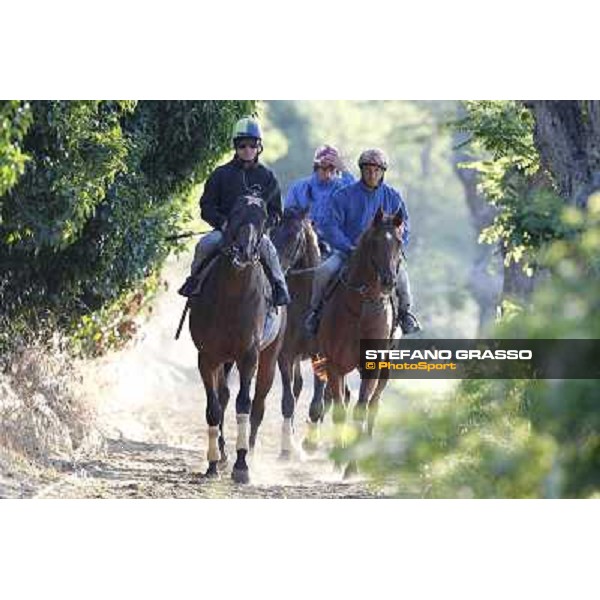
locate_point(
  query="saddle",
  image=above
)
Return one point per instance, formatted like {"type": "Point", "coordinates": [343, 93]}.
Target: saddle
{"type": "Point", "coordinates": [273, 316]}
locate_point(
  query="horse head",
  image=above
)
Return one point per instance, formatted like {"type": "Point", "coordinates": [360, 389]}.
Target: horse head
{"type": "Point", "coordinates": [296, 240]}
{"type": "Point", "coordinates": [244, 231]}
{"type": "Point", "coordinates": [381, 248]}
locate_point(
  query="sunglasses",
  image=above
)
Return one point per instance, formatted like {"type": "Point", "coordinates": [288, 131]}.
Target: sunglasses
{"type": "Point", "coordinates": [244, 145]}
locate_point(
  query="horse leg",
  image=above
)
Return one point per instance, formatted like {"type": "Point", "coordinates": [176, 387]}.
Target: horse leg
{"type": "Point", "coordinates": [264, 380]}
{"type": "Point", "coordinates": [247, 368]}
{"type": "Point", "coordinates": [327, 401]}
{"type": "Point", "coordinates": [347, 396]}
{"type": "Point", "coordinates": [209, 373]}
{"type": "Point", "coordinates": [316, 412]}
{"type": "Point", "coordinates": [335, 382]}
{"type": "Point", "coordinates": [223, 401]}
{"type": "Point", "coordinates": [298, 381]}
{"type": "Point", "coordinates": [288, 403]}
{"type": "Point", "coordinates": [374, 402]}
{"type": "Point", "coordinates": [359, 416]}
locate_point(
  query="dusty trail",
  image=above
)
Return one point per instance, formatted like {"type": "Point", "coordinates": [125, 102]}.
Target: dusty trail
{"type": "Point", "coordinates": [151, 404]}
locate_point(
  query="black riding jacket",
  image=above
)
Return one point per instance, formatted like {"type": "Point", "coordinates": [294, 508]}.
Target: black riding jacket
{"type": "Point", "coordinates": [230, 181]}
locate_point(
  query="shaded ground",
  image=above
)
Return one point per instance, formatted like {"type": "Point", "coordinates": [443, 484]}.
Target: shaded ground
{"type": "Point", "coordinates": [150, 407]}
{"type": "Point", "coordinates": [147, 470]}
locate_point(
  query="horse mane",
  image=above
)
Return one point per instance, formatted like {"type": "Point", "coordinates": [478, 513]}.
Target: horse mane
{"type": "Point", "coordinates": [242, 206]}
{"type": "Point", "coordinates": [312, 255]}
{"type": "Point", "coordinates": [312, 246]}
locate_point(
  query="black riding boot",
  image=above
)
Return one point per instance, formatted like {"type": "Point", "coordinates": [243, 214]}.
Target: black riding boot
{"type": "Point", "coordinates": [191, 283]}
{"type": "Point", "coordinates": [311, 322]}
{"type": "Point", "coordinates": [270, 263]}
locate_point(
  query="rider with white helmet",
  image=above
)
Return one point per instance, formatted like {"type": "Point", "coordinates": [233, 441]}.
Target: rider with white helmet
{"type": "Point", "coordinates": [350, 213]}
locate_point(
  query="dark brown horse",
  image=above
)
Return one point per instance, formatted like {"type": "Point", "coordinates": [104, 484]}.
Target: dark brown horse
{"type": "Point", "coordinates": [226, 323]}
{"type": "Point", "coordinates": [298, 249]}
{"type": "Point", "coordinates": [360, 307]}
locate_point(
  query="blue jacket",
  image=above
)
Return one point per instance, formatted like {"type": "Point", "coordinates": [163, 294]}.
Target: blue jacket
{"type": "Point", "coordinates": [352, 209]}
{"type": "Point", "coordinates": [315, 195]}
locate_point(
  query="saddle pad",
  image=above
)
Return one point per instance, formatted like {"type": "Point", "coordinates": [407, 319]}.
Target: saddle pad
{"type": "Point", "coordinates": [271, 328]}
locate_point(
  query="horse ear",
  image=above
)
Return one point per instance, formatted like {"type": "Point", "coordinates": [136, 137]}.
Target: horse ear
{"type": "Point", "coordinates": [378, 216]}
{"type": "Point", "coordinates": [398, 219]}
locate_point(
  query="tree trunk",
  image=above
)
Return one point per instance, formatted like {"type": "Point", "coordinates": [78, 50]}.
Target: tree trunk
{"type": "Point", "coordinates": [486, 276]}
{"type": "Point", "coordinates": [567, 135]}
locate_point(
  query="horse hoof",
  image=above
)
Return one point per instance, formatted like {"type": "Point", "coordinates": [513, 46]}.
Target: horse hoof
{"type": "Point", "coordinates": [309, 446]}
{"type": "Point", "coordinates": [213, 471]}
{"type": "Point", "coordinates": [223, 461]}
{"type": "Point", "coordinates": [240, 475]}
{"type": "Point", "coordinates": [351, 471]}
{"type": "Point", "coordinates": [285, 456]}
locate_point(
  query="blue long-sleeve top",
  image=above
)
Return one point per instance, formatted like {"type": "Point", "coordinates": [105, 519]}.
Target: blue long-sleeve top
{"type": "Point", "coordinates": [352, 209]}
{"type": "Point", "coordinates": [312, 194]}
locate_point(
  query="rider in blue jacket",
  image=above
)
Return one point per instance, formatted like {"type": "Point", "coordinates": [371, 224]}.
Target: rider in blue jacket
{"type": "Point", "coordinates": [350, 213]}
{"type": "Point", "coordinates": [314, 193]}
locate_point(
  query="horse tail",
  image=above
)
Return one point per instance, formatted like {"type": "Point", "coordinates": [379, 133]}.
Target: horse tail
{"type": "Point", "coordinates": [319, 366]}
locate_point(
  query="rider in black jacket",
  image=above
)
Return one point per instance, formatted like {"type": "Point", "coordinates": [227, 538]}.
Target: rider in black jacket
{"type": "Point", "coordinates": [242, 175]}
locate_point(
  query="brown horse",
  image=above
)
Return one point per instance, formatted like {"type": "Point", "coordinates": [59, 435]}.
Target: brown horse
{"type": "Point", "coordinates": [298, 249]}
{"type": "Point", "coordinates": [360, 307]}
{"type": "Point", "coordinates": [226, 323]}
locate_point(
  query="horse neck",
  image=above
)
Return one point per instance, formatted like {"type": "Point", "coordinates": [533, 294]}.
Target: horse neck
{"type": "Point", "coordinates": [235, 282]}
{"type": "Point", "coordinates": [360, 268]}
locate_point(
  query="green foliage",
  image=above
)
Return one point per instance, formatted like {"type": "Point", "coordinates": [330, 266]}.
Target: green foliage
{"type": "Point", "coordinates": [512, 438]}
{"type": "Point", "coordinates": [76, 150]}
{"type": "Point", "coordinates": [15, 119]}
{"type": "Point", "coordinates": [512, 179]}
{"type": "Point", "coordinates": [503, 128]}
{"type": "Point", "coordinates": [87, 222]}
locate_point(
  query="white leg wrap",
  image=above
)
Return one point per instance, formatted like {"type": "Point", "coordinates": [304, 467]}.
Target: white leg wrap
{"type": "Point", "coordinates": [213, 447]}
{"type": "Point", "coordinates": [243, 436]}
{"type": "Point", "coordinates": [286, 436]}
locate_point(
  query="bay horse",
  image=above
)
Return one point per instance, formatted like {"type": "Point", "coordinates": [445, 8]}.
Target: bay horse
{"type": "Point", "coordinates": [298, 248]}
{"type": "Point", "coordinates": [361, 307]}
{"type": "Point", "coordinates": [226, 324]}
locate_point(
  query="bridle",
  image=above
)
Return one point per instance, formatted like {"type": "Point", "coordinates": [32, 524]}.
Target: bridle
{"type": "Point", "coordinates": [297, 254]}
{"type": "Point", "coordinates": [364, 288]}
{"type": "Point", "coordinates": [233, 251]}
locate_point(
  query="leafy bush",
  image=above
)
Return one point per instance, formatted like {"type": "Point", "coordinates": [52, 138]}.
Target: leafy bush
{"type": "Point", "coordinates": [102, 185]}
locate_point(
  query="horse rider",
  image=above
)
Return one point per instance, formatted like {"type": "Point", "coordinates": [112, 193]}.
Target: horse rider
{"type": "Point", "coordinates": [313, 193]}
{"type": "Point", "coordinates": [350, 213]}
{"type": "Point", "coordinates": [242, 175]}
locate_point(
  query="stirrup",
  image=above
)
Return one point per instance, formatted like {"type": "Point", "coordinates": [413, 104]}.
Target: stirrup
{"type": "Point", "coordinates": [187, 289]}
{"type": "Point", "coordinates": [409, 323]}
{"type": "Point", "coordinates": [281, 296]}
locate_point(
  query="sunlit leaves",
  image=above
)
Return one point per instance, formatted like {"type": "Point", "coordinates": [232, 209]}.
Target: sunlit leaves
{"type": "Point", "coordinates": [15, 119]}
{"type": "Point", "coordinates": [105, 184]}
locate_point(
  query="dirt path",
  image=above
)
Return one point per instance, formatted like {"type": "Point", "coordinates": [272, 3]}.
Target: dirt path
{"type": "Point", "coordinates": [150, 406]}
